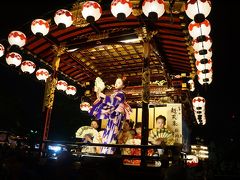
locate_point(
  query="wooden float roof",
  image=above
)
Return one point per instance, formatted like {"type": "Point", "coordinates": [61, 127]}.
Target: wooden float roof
{"type": "Point", "coordinates": [97, 49]}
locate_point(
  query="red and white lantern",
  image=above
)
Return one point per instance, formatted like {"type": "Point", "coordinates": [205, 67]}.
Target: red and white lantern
{"type": "Point", "coordinates": [17, 38]}
{"type": "Point", "coordinates": [85, 106]}
{"type": "Point", "coordinates": [199, 29]}
{"type": "Point", "coordinates": [28, 66]}
{"type": "Point", "coordinates": [153, 9]}
{"type": "Point", "coordinates": [40, 27]}
{"type": "Point", "coordinates": [198, 10]}
{"type": "Point", "coordinates": [203, 81]}
{"type": "Point", "coordinates": [203, 64]}
{"type": "Point", "coordinates": [14, 59]}
{"type": "Point", "coordinates": [198, 102]}
{"type": "Point", "coordinates": [199, 44]}
{"type": "Point", "coordinates": [203, 54]}
{"type": "Point", "coordinates": [62, 85]}
{"type": "Point", "coordinates": [42, 74]}
{"type": "Point", "coordinates": [192, 160]}
{"type": "Point", "coordinates": [91, 11]}
{"type": "Point", "coordinates": [2, 50]}
{"type": "Point", "coordinates": [63, 18]}
{"type": "Point", "coordinates": [71, 90]}
{"type": "Point", "coordinates": [206, 73]}
{"type": "Point", "coordinates": [121, 9]}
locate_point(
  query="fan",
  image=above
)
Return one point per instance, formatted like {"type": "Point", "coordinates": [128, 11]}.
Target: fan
{"type": "Point", "coordinates": [86, 130]}
{"type": "Point", "coordinates": [164, 133]}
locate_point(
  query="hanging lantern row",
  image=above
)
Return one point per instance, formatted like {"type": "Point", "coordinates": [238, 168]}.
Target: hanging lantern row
{"type": "Point", "coordinates": [199, 109]}
{"type": "Point", "coordinates": [199, 29]}
{"type": "Point", "coordinates": [85, 106]}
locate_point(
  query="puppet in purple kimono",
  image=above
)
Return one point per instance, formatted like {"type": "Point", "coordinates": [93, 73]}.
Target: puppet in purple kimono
{"type": "Point", "coordinates": [115, 109]}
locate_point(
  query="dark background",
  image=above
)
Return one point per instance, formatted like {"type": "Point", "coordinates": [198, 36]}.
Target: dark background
{"type": "Point", "coordinates": [21, 96]}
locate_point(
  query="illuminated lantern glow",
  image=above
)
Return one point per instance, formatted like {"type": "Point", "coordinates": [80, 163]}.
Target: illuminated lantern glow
{"type": "Point", "coordinates": [71, 90]}
{"type": "Point", "coordinates": [17, 38]}
{"type": "Point", "coordinates": [85, 106]}
{"type": "Point", "coordinates": [121, 9]}
{"type": "Point", "coordinates": [40, 27]}
{"type": "Point", "coordinates": [42, 74]}
{"type": "Point", "coordinates": [198, 101]}
{"type": "Point", "coordinates": [13, 59]}
{"type": "Point", "coordinates": [28, 66]}
{"type": "Point", "coordinates": [198, 10]}
{"type": "Point", "coordinates": [91, 11]}
{"type": "Point", "coordinates": [203, 54]}
{"type": "Point", "coordinates": [63, 18]}
{"type": "Point", "coordinates": [199, 29]}
{"type": "Point", "coordinates": [205, 80]}
{"type": "Point", "coordinates": [192, 160]}
{"type": "Point", "coordinates": [206, 73]}
{"type": "Point", "coordinates": [62, 85]}
{"type": "Point", "coordinates": [204, 43]}
{"type": "Point", "coordinates": [203, 64]}
{"type": "Point", "coordinates": [191, 84]}
{"type": "Point", "coordinates": [153, 9]}
{"type": "Point", "coordinates": [2, 50]}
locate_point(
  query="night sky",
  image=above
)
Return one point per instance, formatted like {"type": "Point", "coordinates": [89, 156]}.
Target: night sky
{"type": "Point", "coordinates": [21, 96]}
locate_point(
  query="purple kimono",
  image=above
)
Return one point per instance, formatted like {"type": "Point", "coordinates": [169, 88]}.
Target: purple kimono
{"type": "Point", "coordinates": [115, 109]}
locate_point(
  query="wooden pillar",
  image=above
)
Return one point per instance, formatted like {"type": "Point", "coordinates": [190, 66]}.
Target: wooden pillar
{"type": "Point", "coordinates": [49, 95]}
{"type": "Point", "coordinates": [145, 99]}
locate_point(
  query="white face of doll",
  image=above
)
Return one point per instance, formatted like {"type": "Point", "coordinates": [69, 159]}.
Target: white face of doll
{"type": "Point", "coordinates": [119, 84]}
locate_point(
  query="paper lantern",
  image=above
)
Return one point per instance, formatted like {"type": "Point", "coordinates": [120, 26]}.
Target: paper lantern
{"type": "Point", "coordinates": [40, 27]}
{"type": "Point", "coordinates": [14, 59]}
{"type": "Point", "coordinates": [2, 50]}
{"type": "Point", "coordinates": [17, 38]}
{"type": "Point", "coordinates": [199, 29]}
{"type": "Point", "coordinates": [204, 42]}
{"type": "Point", "coordinates": [63, 18]}
{"type": "Point", "coordinates": [42, 74]}
{"type": "Point", "coordinates": [85, 106]}
{"type": "Point", "coordinates": [198, 102]}
{"type": "Point", "coordinates": [206, 73]}
{"type": "Point", "coordinates": [71, 90]}
{"type": "Point", "coordinates": [121, 9]}
{"type": "Point", "coordinates": [28, 66]}
{"type": "Point", "coordinates": [203, 54]}
{"type": "Point", "coordinates": [203, 81]}
{"type": "Point", "coordinates": [192, 160]}
{"type": "Point", "coordinates": [198, 10]}
{"type": "Point", "coordinates": [91, 11]}
{"type": "Point", "coordinates": [203, 64]}
{"type": "Point", "coordinates": [62, 85]}
{"type": "Point", "coordinates": [153, 9]}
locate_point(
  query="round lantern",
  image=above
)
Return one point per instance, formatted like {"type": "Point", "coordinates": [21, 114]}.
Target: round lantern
{"type": "Point", "coordinates": [85, 106]}
{"type": "Point", "coordinates": [62, 85]}
{"type": "Point", "coordinates": [198, 10]}
{"type": "Point", "coordinates": [2, 50]}
{"type": "Point", "coordinates": [17, 38]}
{"type": "Point", "coordinates": [153, 9]}
{"type": "Point", "coordinates": [63, 18]}
{"type": "Point", "coordinates": [91, 11]}
{"type": "Point", "coordinates": [42, 74]}
{"type": "Point", "coordinates": [203, 81]}
{"type": "Point", "coordinates": [191, 85]}
{"type": "Point", "coordinates": [198, 102]}
{"type": "Point", "coordinates": [203, 54]}
{"type": "Point", "coordinates": [40, 27]}
{"type": "Point", "coordinates": [206, 73]}
{"type": "Point", "coordinates": [204, 42]}
{"type": "Point", "coordinates": [203, 64]}
{"type": "Point", "coordinates": [121, 9]}
{"type": "Point", "coordinates": [28, 66]}
{"type": "Point", "coordinates": [71, 90]}
{"type": "Point", "coordinates": [192, 160]}
{"type": "Point", "coordinates": [13, 59]}
{"type": "Point", "coordinates": [199, 29]}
